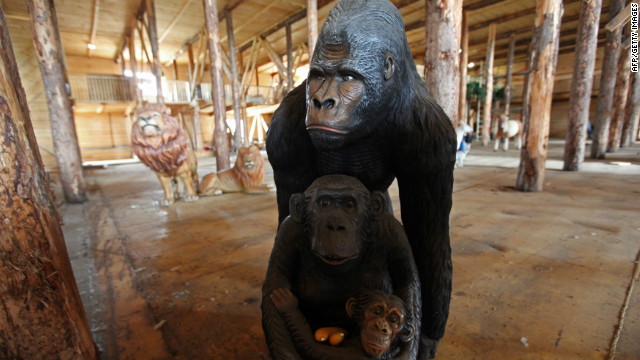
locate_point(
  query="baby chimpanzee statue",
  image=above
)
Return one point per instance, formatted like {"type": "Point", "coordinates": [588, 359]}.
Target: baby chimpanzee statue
{"type": "Point", "coordinates": [338, 241]}
{"type": "Point", "coordinates": [379, 317]}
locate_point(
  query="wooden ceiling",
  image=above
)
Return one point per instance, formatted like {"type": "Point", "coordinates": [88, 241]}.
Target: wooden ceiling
{"type": "Point", "coordinates": [104, 22]}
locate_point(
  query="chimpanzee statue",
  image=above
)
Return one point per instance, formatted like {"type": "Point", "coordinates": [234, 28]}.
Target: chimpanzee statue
{"type": "Point", "coordinates": [364, 111]}
{"type": "Point", "coordinates": [339, 240]}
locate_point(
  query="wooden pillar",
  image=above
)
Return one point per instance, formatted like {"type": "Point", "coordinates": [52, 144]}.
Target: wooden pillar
{"type": "Point", "coordinates": [220, 140]}
{"type": "Point", "coordinates": [442, 57]}
{"type": "Point", "coordinates": [488, 79]}
{"type": "Point", "coordinates": [46, 39]}
{"type": "Point", "coordinates": [289, 58]}
{"type": "Point", "coordinates": [134, 69]}
{"type": "Point", "coordinates": [619, 101]}
{"type": "Point", "coordinates": [632, 114]}
{"type": "Point", "coordinates": [235, 85]}
{"type": "Point", "coordinates": [582, 84]}
{"type": "Point", "coordinates": [544, 53]}
{"type": "Point", "coordinates": [156, 67]}
{"type": "Point", "coordinates": [41, 314]}
{"type": "Point", "coordinates": [312, 25]}
{"type": "Point", "coordinates": [464, 62]}
{"type": "Point", "coordinates": [507, 88]}
{"type": "Point", "coordinates": [607, 85]}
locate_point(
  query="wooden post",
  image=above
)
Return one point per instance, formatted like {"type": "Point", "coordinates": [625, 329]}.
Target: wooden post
{"type": "Point", "coordinates": [582, 84]}
{"type": "Point", "coordinates": [220, 140]}
{"type": "Point", "coordinates": [442, 56]}
{"type": "Point", "coordinates": [46, 39]}
{"type": "Point", "coordinates": [41, 314]}
{"type": "Point", "coordinates": [507, 88]}
{"type": "Point", "coordinates": [632, 114]}
{"type": "Point", "coordinates": [235, 84]}
{"type": "Point", "coordinates": [607, 85]}
{"type": "Point", "coordinates": [134, 68]}
{"type": "Point", "coordinates": [156, 67]}
{"type": "Point", "coordinates": [619, 101]}
{"type": "Point", "coordinates": [544, 53]}
{"type": "Point", "coordinates": [312, 25]}
{"type": "Point", "coordinates": [464, 62]}
{"type": "Point", "coordinates": [289, 58]}
{"type": "Point", "coordinates": [488, 78]}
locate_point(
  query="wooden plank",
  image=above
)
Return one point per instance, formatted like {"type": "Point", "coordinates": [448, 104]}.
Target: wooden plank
{"type": "Point", "coordinates": [488, 86]}
{"type": "Point", "coordinates": [507, 87]}
{"type": "Point", "coordinates": [46, 38]}
{"type": "Point", "coordinates": [544, 55]}
{"type": "Point", "coordinates": [582, 84]}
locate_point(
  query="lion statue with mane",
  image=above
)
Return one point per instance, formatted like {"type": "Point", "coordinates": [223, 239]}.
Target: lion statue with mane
{"type": "Point", "coordinates": [246, 175]}
{"type": "Point", "coordinates": [161, 144]}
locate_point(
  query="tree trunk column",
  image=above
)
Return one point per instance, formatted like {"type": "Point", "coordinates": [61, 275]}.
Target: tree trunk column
{"type": "Point", "coordinates": [488, 97]}
{"type": "Point", "coordinates": [153, 39]}
{"type": "Point", "coordinates": [619, 101]}
{"type": "Point", "coordinates": [312, 25]}
{"type": "Point", "coordinates": [507, 87]}
{"type": "Point", "coordinates": [607, 85]}
{"type": "Point", "coordinates": [464, 62]}
{"type": "Point", "coordinates": [442, 57]}
{"type": "Point", "coordinates": [235, 84]}
{"type": "Point", "coordinates": [544, 56]}
{"type": "Point", "coordinates": [630, 129]}
{"type": "Point", "coordinates": [582, 84]}
{"type": "Point", "coordinates": [46, 39]}
{"type": "Point", "coordinates": [220, 140]}
{"type": "Point", "coordinates": [41, 314]}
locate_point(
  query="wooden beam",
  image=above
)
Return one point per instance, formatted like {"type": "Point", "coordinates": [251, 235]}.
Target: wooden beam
{"type": "Point", "coordinates": [46, 39]}
{"type": "Point", "coordinates": [220, 140]}
{"type": "Point", "coordinates": [621, 18]}
{"type": "Point", "coordinates": [134, 68]}
{"type": "Point", "coordinates": [537, 113]}
{"type": "Point", "coordinates": [581, 85]}
{"type": "Point", "coordinates": [481, 4]}
{"type": "Point", "coordinates": [274, 58]}
{"type": "Point", "coordinates": [173, 21]}
{"type": "Point", "coordinates": [632, 115]}
{"type": "Point", "coordinates": [40, 304]}
{"type": "Point", "coordinates": [94, 26]}
{"type": "Point", "coordinates": [488, 85]}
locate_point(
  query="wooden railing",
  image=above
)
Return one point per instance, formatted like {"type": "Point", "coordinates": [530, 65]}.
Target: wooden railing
{"type": "Point", "coordinates": [100, 88]}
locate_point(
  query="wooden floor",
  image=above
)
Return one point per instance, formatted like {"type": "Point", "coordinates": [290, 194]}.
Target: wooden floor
{"type": "Point", "coordinates": [536, 276]}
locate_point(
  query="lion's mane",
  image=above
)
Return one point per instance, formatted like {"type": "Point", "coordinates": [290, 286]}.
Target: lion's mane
{"type": "Point", "coordinates": [169, 151]}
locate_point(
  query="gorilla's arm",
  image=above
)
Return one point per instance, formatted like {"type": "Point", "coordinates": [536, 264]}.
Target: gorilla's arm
{"type": "Point", "coordinates": [283, 264]}
{"type": "Point", "coordinates": [406, 284]}
{"type": "Point", "coordinates": [289, 148]}
{"type": "Point", "coordinates": [425, 181]}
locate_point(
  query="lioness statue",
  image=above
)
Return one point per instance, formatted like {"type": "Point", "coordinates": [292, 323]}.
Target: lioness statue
{"type": "Point", "coordinates": [161, 144]}
{"type": "Point", "coordinates": [246, 175]}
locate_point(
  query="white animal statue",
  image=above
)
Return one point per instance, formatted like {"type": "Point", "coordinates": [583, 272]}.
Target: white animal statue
{"type": "Point", "coordinates": [508, 129]}
{"type": "Point", "coordinates": [463, 146]}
